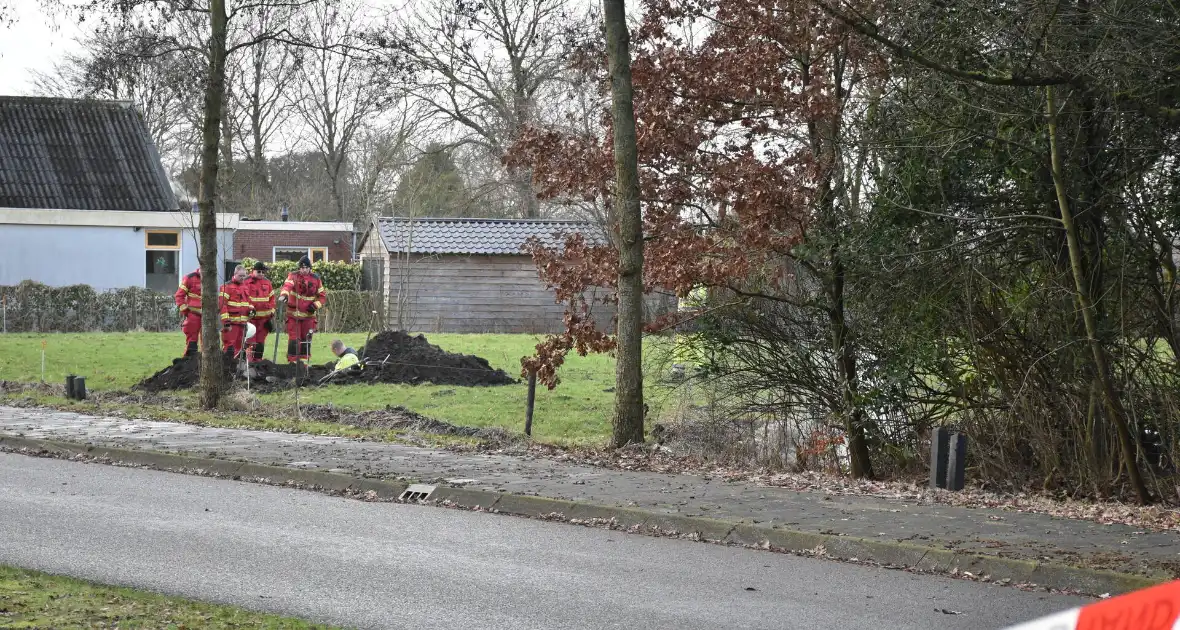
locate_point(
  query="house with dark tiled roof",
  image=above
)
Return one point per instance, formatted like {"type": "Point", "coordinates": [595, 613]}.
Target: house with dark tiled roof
{"type": "Point", "coordinates": [469, 275]}
{"type": "Point", "coordinates": [84, 199]}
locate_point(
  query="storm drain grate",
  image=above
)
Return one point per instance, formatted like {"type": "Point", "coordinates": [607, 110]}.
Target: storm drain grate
{"type": "Point", "coordinates": [416, 492]}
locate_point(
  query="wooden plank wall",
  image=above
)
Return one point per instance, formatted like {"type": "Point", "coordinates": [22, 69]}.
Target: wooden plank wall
{"type": "Point", "coordinates": [477, 294]}
{"type": "Point", "coordinates": [374, 248]}
{"type": "Point", "coordinates": [493, 294]}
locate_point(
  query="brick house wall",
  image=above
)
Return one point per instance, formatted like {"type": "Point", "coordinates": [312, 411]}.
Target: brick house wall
{"type": "Point", "coordinates": [256, 241]}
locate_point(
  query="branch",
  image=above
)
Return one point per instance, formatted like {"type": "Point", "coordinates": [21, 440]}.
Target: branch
{"type": "Point", "coordinates": [1010, 80]}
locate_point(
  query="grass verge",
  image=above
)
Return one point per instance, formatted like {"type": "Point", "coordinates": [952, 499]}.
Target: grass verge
{"type": "Point", "coordinates": [31, 599]}
{"type": "Point", "coordinates": [577, 412]}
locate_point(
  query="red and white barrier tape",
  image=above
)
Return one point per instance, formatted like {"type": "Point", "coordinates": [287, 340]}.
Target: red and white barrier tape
{"type": "Point", "coordinates": [1155, 608]}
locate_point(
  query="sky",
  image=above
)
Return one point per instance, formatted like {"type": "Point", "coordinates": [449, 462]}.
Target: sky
{"type": "Point", "coordinates": [34, 43]}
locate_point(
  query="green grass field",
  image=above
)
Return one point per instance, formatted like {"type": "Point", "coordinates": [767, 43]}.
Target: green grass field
{"type": "Point", "coordinates": [577, 411]}
{"type": "Point", "coordinates": [30, 599]}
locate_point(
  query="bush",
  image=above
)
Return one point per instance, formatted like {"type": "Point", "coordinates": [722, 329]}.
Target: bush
{"type": "Point", "coordinates": [35, 307]}
{"type": "Point", "coordinates": [351, 311]}
{"type": "Point", "coordinates": [336, 275]}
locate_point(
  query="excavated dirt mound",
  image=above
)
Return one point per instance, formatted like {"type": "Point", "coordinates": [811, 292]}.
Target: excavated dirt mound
{"type": "Point", "coordinates": [393, 357]}
{"type": "Point", "coordinates": [184, 373]}
{"type": "Point", "coordinates": [407, 359]}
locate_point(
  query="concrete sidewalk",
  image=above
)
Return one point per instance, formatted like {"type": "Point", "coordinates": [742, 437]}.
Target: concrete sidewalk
{"type": "Point", "coordinates": [1022, 547]}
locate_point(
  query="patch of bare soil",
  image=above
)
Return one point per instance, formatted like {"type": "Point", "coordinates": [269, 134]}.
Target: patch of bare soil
{"type": "Point", "coordinates": [17, 387]}
{"type": "Point", "coordinates": [392, 357]}
{"type": "Point", "coordinates": [398, 417]}
{"type": "Point", "coordinates": [184, 373]}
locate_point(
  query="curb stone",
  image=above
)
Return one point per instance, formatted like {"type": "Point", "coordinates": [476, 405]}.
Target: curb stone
{"type": "Point", "coordinates": [895, 554]}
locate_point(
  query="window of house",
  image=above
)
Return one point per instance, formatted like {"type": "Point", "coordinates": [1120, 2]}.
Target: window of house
{"type": "Point", "coordinates": [315, 254]}
{"type": "Point", "coordinates": [162, 260]}
{"type": "Point", "coordinates": [157, 239]}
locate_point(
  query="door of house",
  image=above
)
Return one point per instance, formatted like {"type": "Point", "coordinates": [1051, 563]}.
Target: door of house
{"type": "Point", "coordinates": [163, 260]}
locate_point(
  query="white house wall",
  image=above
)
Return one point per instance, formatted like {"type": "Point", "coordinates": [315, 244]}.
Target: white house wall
{"type": "Point", "coordinates": [101, 256]}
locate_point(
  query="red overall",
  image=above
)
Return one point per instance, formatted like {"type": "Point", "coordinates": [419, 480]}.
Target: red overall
{"type": "Point", "coordinates": [262, 298]}
{"type": "Point", "coordinates": [305, 294]}
{"type": "Point", "coordinates": [188, 298]}
{"type": "Point", "coordinates": [235, 313]}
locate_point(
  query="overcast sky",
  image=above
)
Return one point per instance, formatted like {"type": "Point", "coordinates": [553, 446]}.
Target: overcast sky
{"type": "Point", "coordinates": [34, 42]}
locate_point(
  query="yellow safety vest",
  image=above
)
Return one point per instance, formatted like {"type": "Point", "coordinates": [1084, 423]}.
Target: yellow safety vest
{"type": "Point", "coordinates": [346, 362]}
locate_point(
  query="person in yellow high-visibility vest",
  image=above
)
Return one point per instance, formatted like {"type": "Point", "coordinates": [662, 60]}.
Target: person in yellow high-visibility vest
{"type": "Point", "coordinates": [347, 356]}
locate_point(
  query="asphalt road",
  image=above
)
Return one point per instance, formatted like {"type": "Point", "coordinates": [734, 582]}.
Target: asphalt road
{"type": "Point", "coordinates": [381, 565]}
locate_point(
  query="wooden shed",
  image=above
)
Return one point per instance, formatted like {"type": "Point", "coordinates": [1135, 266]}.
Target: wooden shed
{"type": "Point", "coordinates": [467, 275]}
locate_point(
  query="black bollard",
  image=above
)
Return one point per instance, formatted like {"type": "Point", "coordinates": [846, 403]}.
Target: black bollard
{"type": "Point", "coordinates": [939, 444]}
{"type": "Point", "coordinates": [957, 462]}
{"type": "Point", "coordinates": [79, 388]}
{"type": "Point", "coordinates": [70, 386]}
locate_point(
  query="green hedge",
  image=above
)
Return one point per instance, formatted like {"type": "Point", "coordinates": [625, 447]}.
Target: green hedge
{"type": "Point", "coordinates": [337, 275]}
{"type": "Point", "coordinates": [351, 311]}
{"type": "Point", "coordinates": [35, 307]}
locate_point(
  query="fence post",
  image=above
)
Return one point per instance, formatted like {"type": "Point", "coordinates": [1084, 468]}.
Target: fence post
{"type": "Point", "coordinates": [957, 463]}
{"type": "Point", "coordinates": [940, 441]}
{"type": "Point", "coordinates": [4, 299]}
{"type": "Point", "coordinates": [528, 412]}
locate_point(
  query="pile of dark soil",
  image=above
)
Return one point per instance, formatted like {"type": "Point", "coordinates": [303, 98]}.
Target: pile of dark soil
{"type": "Point", "coordinates": [184, 373]}
{"type": "Point", "coordinates": [406, 359]}
{"type": "Point", "coordinates": [392, 356]}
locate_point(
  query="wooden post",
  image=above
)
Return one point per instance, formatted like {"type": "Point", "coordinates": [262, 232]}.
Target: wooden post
{"type": "Point", "coordinates": [528, 412]}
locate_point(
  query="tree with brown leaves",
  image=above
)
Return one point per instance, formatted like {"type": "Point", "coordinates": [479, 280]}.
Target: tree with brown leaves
{"type": "Point", "coordinates": [742, 149]}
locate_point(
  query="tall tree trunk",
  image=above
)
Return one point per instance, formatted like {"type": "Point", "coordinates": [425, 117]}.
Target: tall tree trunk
{"type": "Point", "coordinates": [1114, 405]}
{"type": "Point", "coordinates": [861, 466]}
{"type": "Point", "coordinates": [522, 182]}
{"type": "Point", "coordinates": [628, 418]}
{"type": "Point", "coordinates": [211, 361]}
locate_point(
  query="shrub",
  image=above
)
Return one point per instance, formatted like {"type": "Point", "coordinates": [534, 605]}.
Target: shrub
{"type": "Point", "coordinates": [35, 307]}
{"type": "Point", "coordinates": [351, 311]}
{"type": "Point", "coordinates": [336, 275]}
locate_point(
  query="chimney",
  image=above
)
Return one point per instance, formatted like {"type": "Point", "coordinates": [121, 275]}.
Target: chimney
{"type": "Point", "coordinates": [284, 213]}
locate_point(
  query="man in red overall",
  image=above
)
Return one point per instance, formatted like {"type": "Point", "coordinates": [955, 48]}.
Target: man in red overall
{"type": "Point", "coordinates": [188, 298]}
{"type": "Point", "coordinates": [304, 294]}
{"type": "Point", "coordinates": [235, 312]}
{"type": "Point", "coordinates": [262, 298]}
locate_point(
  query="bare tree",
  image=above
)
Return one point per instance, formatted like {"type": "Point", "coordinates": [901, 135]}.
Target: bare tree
{"type": "Point", "coordinates": [340, 89]}
{"type": "Point", "coordinates": [381, 153]}
{"type": "Point", "coordinates": [484, 67]}
{"type": "Point", "coordinates": [260, 104]}
{"type": "Point", "coordinates": [201, 31]}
